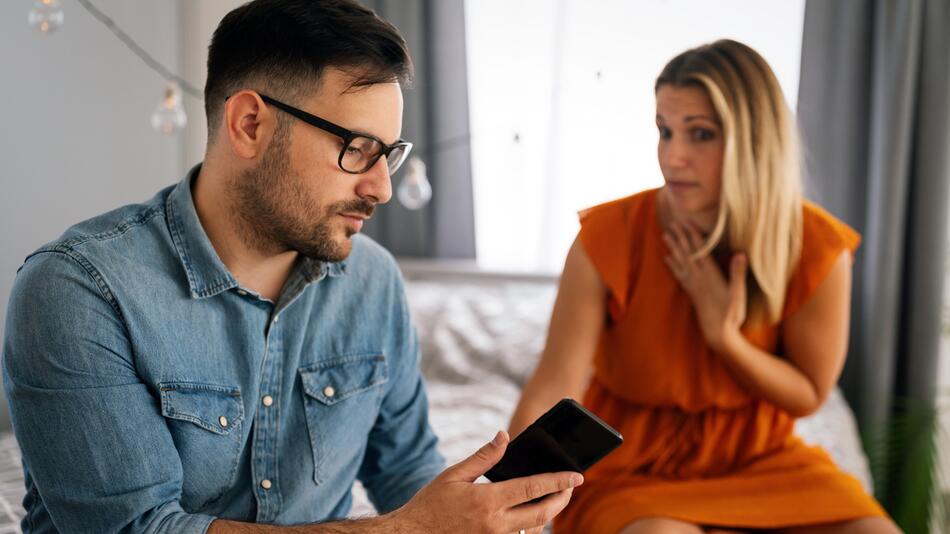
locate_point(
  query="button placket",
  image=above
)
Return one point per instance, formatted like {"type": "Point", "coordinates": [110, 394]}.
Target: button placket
{"type": "Point", "coordinates": [264, 451]}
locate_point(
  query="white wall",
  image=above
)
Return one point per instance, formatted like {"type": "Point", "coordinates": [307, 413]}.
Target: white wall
{"type": "Point", "coordinates": [198, 21]}
{"type": "Point", "coordinates": [75, 139]}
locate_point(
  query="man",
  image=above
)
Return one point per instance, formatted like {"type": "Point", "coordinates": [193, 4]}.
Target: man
{"type": "Point", "coordinates": [230, 355]}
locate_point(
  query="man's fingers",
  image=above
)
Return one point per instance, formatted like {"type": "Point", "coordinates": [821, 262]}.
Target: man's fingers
{"type": "Point", "coordinates": [521, 490]}
{"type": "Point", "coordinates": [538, 514]}
{"type": "Point", "coordinates": [477, 464]}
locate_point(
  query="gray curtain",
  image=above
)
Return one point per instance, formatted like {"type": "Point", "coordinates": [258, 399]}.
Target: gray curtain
{"type": "Point", "coordinates": [873, 108]}
{"type": "Point", "coordinates": [436, 121]}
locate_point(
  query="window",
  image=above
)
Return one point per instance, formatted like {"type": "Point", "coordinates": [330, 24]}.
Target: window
{"type": "Point", "coordinates": [562, 107]}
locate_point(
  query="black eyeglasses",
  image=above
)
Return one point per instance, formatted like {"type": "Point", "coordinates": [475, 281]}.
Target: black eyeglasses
{"type": "Point", "coordinates": [360, 150]}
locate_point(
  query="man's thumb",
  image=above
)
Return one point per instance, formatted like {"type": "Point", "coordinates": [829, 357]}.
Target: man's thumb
{"type": "Point", "coordinates": [484, 459]}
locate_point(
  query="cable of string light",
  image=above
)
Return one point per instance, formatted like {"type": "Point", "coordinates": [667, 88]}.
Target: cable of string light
{"type": "Point", "coordinates": [152, 63]}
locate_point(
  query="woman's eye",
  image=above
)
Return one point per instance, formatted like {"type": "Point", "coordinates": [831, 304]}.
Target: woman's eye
{"type": "Point", "coordinates": [703, 134]}
{"type": "Point", "coordinates": [665, 132]}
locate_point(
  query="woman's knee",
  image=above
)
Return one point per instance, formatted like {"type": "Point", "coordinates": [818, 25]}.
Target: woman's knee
{"type": "Point", "coordinates": [866, 525]}
{"type": "Point", "coordinates": [873, 525]}
{"type": "Point", "coordinates": [660, 525]}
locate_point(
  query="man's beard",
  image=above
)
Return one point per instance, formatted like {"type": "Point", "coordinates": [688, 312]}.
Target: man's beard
{"type": "Point", "coordinates": [275, 213]}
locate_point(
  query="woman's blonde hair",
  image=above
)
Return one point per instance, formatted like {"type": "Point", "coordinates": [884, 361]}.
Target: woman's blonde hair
{"type": "Point", "coordinates": [760, 205]}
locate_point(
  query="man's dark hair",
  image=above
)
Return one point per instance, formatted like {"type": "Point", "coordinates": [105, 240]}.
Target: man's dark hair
{"type": "Point", "coordinates": [283, 46]}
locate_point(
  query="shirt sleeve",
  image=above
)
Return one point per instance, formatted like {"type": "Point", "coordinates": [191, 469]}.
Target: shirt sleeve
{"type": "Point", "coordinates": [401, 455]}
{"type": "Point", "coordinates": [96, 450]}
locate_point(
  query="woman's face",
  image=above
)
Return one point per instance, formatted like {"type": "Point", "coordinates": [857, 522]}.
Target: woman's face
{"type": "Point", "coordinates": [690, 149]}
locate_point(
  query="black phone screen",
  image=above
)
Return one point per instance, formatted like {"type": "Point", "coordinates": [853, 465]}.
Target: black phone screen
{"type": "Point", "coordinates": [566, 438]}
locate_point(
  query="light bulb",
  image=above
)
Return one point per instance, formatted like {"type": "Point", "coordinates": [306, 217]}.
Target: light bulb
{"type": "Point", "coordinates": [414, 192]}
{"type": "Point", "coordinates": [46, 16]}
{"type": "Point", "coordinates": [169, 117]}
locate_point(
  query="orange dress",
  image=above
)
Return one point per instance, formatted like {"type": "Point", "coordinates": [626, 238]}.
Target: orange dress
{"type": "Point", "coordinates": [697, 447]}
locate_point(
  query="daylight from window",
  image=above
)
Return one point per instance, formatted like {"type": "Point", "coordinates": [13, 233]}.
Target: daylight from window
{"type": "Point", "coordinates": [562, 108]}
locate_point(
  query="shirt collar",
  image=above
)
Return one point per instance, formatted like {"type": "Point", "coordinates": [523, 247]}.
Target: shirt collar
{"type": "Point", "coordinates": [207, 275]}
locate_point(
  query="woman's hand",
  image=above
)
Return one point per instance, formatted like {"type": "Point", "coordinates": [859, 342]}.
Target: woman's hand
{"type": "Point", "coordinates": [720, 304]}
{"type": "Point", "coordinates": [814, 338]}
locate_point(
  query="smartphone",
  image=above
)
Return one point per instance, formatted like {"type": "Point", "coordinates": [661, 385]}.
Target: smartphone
{"type": "Point", "coordinates": [566, 438]}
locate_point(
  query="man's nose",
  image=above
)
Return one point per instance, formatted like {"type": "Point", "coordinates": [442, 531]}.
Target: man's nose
{"type": "Point", "coordinates": [376, 184]}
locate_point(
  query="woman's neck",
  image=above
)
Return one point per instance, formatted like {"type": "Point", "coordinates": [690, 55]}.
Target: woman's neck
{"type": "Point", "coordinates": [703, 221]}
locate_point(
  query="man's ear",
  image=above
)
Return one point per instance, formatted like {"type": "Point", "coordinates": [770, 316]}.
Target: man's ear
{"type": "Point", "coordinates": [248, 124]}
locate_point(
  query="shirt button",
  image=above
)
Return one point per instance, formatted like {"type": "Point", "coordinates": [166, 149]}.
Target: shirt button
{"type": "Point", "coordinates": [242, 292]}
{"type": "Point", "coordinates": [329, 391]}
{"type": "Point", "coordinates": [276, 317]}
{"type": "Point", "coordinates": [266, 484]}
{"type": "Point", "coordinates": [267, 400]}
{"type": "Point", "coordinates": [224, 421]}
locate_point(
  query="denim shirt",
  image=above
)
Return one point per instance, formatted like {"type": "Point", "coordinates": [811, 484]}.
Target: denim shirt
{"type": "Point", "coordinates": [150, 392]}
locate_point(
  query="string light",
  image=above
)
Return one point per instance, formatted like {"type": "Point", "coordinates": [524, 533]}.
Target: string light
{"type": "Point", "coordinates": [414, 191]}
{"type": "Point", "coordinates": [46, 16]}
{"type": "Point", "coordinates": [169, 117]}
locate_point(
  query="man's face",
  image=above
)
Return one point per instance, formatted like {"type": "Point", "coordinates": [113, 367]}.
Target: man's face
{"type": "Point", "coordinates": [297, 197]}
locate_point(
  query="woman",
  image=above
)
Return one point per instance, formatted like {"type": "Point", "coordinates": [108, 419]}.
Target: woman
{"type": "Point", "coordinates": [713, 312]}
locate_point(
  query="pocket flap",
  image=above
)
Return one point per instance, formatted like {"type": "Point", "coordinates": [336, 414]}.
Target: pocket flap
{"type": "Point", "coordinates": [335, 380]}
{"type": "Point", "coordinates": [212, 407]}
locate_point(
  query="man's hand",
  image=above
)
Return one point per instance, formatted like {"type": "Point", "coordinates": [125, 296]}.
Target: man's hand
{"type": "Point", "coordinates": [454, 503]}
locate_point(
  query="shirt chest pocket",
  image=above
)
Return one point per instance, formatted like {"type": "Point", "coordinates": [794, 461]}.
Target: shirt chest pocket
{"type": "Point", "coordinates": [342, 397]}
{"type": "Point", "coordinates": [206, 423]}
